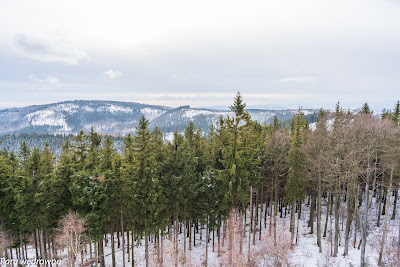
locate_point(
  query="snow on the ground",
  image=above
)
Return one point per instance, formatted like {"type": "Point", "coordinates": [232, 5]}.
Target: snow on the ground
{"type": "Point", "coordinates": [304, 253]}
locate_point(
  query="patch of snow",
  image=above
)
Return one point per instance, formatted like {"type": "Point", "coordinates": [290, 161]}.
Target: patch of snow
{"type": "Point", "coordinates": [191, 113]}
{"type": "Point", "coordinates": [151, 113]}
{"type": "Point", "coordinates": [329, 124]}
{"type": "Point", "coordinates": [168, 137]}
{"type": "Point", "coordinates": [88, 109]}
{"type": "Point", "coordinates": [68, 107]}
{"type": "Point", "coordinates": [116, 109]}
{"type": "Point", "coordinates": [47, 117]}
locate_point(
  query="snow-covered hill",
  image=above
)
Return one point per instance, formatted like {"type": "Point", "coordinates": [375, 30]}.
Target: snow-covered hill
{"type": "Point", "coordinates": [107, 117]}
{"type": "Point", "coordinates": [117, 118]}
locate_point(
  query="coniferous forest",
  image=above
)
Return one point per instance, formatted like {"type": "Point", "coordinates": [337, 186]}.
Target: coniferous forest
{"type": "Point", "coordinates": [228, 190]}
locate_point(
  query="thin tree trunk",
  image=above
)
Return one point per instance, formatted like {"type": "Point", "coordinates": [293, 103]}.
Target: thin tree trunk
{"type": "Point", "coordinates": [270, 214]}
{"type": "Point", "coordinates": [255, 220]}
{"type": "Point", "coordinates": [133, 250]}
{"type": "Point", "coordinates": [365, 221]}
{"type": "Point", "coordinates": [275, 207]}
{"type": "Point", "coordinates": [250, 221]}
{"type": "Point", "coordinates": [123, 238]}
{"type": "Point", "coordinates": [127, 246]}
{"type": "Point", "coordinates": [90, 249]}
{"type": "Point", "coordinates": [327, 214]}
{"type": "Point", "coordinates": [69, 256]}
{"type": "Point", "coordinates": [230, 241]}
{"type": "Point", "coordinates": [184, 240]}
{"type": "Point", "coordinates": [21, 242]}
{"type": "Point", "coordinates": [219, 237]}
{"type": "Point", "coordinates": [298, 221]}
{"type": "Point", "coordinates": [355, 216]}
{"type": "Point", "coordinates": [386, 218]}
{"type": "Point", "coordinates": [292, 221]}
{"type": "Point", "coordinates": [206, 243]}
{"type": "Point", "coordinates": [176, 240]}
{"type": "Point", "coordinates": [97, 255]}
{"type": "Point", "coordinates": [396, 193]}
{"type": "Point", "coordinates": [337, 229]}
{"type": "Point", "coordinates": [266, 210]}
{"type": "Point", "coordinates": [242, 228]}
{"type": "Point", "coordinates": [224, 233]}
{"type": "Point", "coordinates": [146, 248]}
{"type": "Point", "coordinates": [101, 253]}
{"type": "Point", "coordinates": [190, 235]}
{"type": "Point", "coordinates": [378, 222]}
{"type": "Point", "coordinates": [119, 242]}
{"type": "Point", "coordinates": [213, 239]}
{"type": "Point", "coordinates": [312, 212]}
{"type": "Point", "coordinates": [384, 202]}
{"type": "Point", "coordinates": [319, 215]}
{"type": "Point", "coordinates": [112, 249]}
{"type": "Point", "coordinates": [36, 244]}
{"type": "Point", "coordinates": [350, 211]}
{"type": "Point", "coordinates": [43, 244]}
{"type": "Point", "coordinates": [261, 207]}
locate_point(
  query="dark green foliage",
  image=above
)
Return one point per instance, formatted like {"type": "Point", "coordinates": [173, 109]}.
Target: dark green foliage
{"type": "Point", "coordinates": [295, 185]}
{"type": "Point", "coordinates": [365, 109]}
{"type": "Point", "coordinates": [145, 198]}
{"type": "Point", "coordinates": [240, 158]}
{"type": "Point", "coordinates": [91, 197]}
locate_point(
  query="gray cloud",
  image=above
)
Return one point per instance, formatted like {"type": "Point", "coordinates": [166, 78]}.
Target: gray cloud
{"type": "Point", "coordinates": [48, 51]}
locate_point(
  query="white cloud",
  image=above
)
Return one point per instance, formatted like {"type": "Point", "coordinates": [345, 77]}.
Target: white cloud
{"type": "Point", "coordinates": [48, 81]}
{"type": "Point", "coordinates": [112, 74]}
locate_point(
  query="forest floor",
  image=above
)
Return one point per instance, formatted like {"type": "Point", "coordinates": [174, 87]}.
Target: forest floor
{"type": "Point", "coordinates": [263, 253]}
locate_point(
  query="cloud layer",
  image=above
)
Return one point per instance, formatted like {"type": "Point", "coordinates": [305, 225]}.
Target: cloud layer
{"type": "Point", "coordinates": [305, 52]}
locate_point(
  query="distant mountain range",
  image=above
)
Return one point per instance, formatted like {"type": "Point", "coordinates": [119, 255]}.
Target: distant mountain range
{"type": "Point", "coordinates": [117, 118]}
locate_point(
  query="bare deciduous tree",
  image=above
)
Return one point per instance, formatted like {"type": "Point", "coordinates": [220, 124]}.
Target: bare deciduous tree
{"type": "Point", "coordinates": [71, 235]}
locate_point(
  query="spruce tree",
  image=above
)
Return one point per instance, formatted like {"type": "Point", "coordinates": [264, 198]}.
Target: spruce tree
{"type": "Point", "coordinates": [144, 185]}
{"type": "Point", "coordinates": [365, 109]}
{"type": "Point", "coordinates": [235, 177]}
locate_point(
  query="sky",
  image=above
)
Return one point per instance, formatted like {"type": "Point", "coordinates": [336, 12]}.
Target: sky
{"type": "Point", "coordinates": [200, 53]}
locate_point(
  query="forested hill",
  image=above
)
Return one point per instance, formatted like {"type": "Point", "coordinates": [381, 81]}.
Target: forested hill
{"type": "Point", "coordinates": [117, 118]}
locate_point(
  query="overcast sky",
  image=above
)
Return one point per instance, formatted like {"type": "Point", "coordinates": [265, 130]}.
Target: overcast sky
{"type": "Point", "coordinates": [282, 53]}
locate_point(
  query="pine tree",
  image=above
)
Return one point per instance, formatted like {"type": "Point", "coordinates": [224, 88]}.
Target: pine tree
{"type": "Point", "coordinates": [92, 197]}
{"type": "Point", "coordinates": [145, 191]}
{"type": "Point", "coordinates": [93, 157]}
{"type": "Point", "coordinates": [107, 155]}
{"type": "Point", "coordinates": [61, 181]}
{"type": "Point", "coordinates": [365, 109]}
{"type": "Point", "coordinates": [396, 114]}
{"type": "Point", "coordinates": [235, 176]}
{"type": "Point", "coordinates": [80, 149]}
